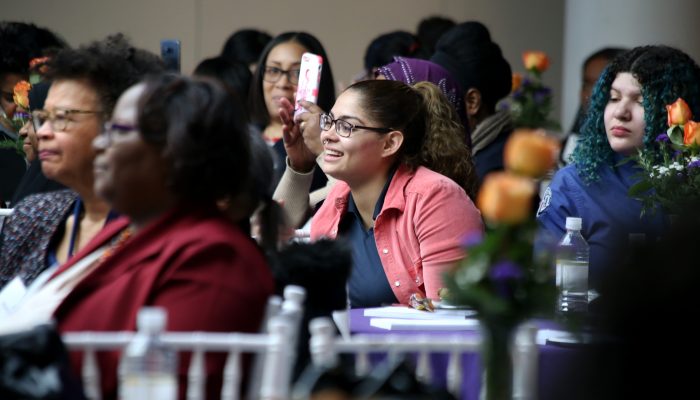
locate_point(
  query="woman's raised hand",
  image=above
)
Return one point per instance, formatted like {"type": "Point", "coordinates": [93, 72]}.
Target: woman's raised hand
{"type": "Point", "coordinates": [301, 135]}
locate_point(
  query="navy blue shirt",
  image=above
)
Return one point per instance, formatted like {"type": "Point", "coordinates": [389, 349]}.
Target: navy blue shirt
{"type": "Point", "coordinates": [368, 285]}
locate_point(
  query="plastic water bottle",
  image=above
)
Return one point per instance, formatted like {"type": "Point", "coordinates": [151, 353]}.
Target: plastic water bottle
{"type": "Point", "coordinates": [572, 270]}
{"type": "Point", "coordinates": [148, 368]}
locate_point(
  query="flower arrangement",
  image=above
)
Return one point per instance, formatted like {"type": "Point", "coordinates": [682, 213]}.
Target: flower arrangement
{"type": "Point", "coordinates": [530, 101]}
{"type": "Point", "coordinates": [670, 170]}
{"type": "Point", "coordinates": [20, 117]}
{"type": "Point", "coordinates": [500, 277]}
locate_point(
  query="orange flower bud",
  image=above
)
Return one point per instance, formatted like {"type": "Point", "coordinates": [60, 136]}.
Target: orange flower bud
{"type": "Point", "coordinates": [21, 94]}
{"type": "Point", "coordinates": [530, 152]}
{"type": "Point", "coordinates": [516, 82]}
{"type": "Point", "coordinates": [37, 61]}
{"type": "Point", "coordinates": [506, 198]}
{"type": "Point", "coordinates": [691, 133]}
{"type": "Point", "coordinates": [536, 61]}
{"type": "Point", "coordinates": [678, 112]}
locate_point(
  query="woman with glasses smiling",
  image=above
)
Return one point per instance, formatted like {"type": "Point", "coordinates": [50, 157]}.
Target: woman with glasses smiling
{"type": "Point", "coordinates": [404, 221]}
{"type": "Point", "coordinates": [47, 229]}
{"type": "Point", "coordinates": [275, 79]}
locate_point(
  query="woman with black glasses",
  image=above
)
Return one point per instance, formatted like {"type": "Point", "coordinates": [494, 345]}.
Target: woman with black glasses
{"type": "Point", "coordinates": [47, 229]}
{"type": "Point", "coordinates": [404, 221]}
{"type": "Point", "coordinates": [276, 79]}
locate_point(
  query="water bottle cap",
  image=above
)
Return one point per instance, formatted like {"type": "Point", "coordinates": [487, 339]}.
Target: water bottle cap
{"type": "Point", "coordinates": [151, 319]}
{"type": "Point", "coordinates": [573, 223]}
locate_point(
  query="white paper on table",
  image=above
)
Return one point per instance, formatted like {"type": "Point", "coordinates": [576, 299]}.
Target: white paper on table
{"type": "Point", "coordinates": [398, 324]}
{"type": "Point", "coordinates": [412, 313]}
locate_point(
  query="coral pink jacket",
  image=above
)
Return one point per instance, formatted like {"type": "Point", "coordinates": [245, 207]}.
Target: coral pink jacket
{"type": "Point", "coordinates": [418, 232]}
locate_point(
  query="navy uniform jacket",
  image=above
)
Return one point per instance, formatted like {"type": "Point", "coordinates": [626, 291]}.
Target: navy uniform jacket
{"type": "Point", "coordinates": [609, 214]}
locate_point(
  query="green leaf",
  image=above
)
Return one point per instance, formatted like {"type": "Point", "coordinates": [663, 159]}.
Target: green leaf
{"type": "Point", "coordinates": [639, 188]}
{"type": "Point", "coordinates": [675, 133]}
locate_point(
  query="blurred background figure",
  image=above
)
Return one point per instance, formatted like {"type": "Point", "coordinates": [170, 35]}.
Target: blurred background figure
{"type": "Point", "coordinates": [384, 48]}
{"type": "Point", "coordinates": [484, 75]}
{"type": "Point", "coordinates": [429, 32]}
{"type": "Point", "coordinates": [234, 74]}
{"type": "Point", "coordinates": [593, 67]}
{"type": "Point", "coordinates": [34, 181]}
{"type": "Point", "coordinates": [20, 43]}
{"type": "Point", "coordinates": [276, 78]}
{"type": "Point", "coordinates": [246, 46]}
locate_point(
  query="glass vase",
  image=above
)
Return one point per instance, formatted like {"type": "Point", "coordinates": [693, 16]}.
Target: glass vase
{"type": "Point", "coordinates": [497, 360]}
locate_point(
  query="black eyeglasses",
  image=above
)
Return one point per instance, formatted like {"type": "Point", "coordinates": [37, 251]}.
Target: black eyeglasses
{"type": "Point", "coordinates": [273, 74]}
{"type": "Point", "coordinates": [344, 128]}
{"type": "Point", "coordinates": [58, 119]}
{"type": "Point", "coordinates": [111, 130]}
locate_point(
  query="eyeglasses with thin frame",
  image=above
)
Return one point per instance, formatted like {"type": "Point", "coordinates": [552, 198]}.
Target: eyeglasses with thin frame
{"type": "Point", "coordinates": [273, 74]}
{"type": "Point", "coordinates": [344, 128]}
{"type": "Point", "coordinates": [111, 130]}
{"type": "Point", "coordinates": [58, 119]}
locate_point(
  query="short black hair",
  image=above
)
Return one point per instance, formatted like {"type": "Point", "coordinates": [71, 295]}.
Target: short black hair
{"type": "Point", "coordinates": [202, 129]}
{"type": "Point", "coordinates": [382, 50]}
{"type": "Point", "coordinates": [245, 45]}
{"type": "Point", "coordinates": [235, 75]}
{"type": "Point", "coordinates": [110, 65]}
{"type": "Point", "coordinates": [21, 42]}
{"type": "Point", "coordinates": [430, 30]}
{"type": "Point", "coordinates": [606, 53]}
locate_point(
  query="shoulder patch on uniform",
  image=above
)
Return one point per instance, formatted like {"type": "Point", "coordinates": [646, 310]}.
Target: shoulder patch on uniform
{"type": "Point", "coordinates": [544, 203]}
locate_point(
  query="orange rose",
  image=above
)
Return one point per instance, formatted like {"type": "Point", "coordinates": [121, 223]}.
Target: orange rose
{"type": "Point", "coordinates": [21, 94]}
{"type": "Point", "coordinates": [506, 198]}
{"type": "Point", "coordinates": [530, 152]}
{"type": "Point", "coordinates": [678, 113]}
{"type": "Point", "coordinates": [536, 61]}
{"type": "Point", "coordinates": [691, 133]}
{"type": "Point", "coordinates": [516, 82]}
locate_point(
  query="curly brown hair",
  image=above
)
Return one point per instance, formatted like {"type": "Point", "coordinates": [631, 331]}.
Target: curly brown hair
{"type": "Point", "coordinates": [433, 134]}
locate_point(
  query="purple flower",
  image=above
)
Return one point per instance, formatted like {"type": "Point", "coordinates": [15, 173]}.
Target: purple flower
{"type": "Point", "coordinates": [694, 164]}
{"type": "Point", "coordinates": [505, 270]}
{"type": "Point", "coordinates": [472, 239]}
{"type": "Point", "coordinates": [503, 274]}
{"type": "Point", "coordinates": [676, 153]}
{"type": "Point", "coordinates": [663, 138]}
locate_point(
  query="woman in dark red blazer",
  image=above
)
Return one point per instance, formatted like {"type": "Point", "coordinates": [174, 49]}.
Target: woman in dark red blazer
{"type": "Point", "coordinates": [173, 148]}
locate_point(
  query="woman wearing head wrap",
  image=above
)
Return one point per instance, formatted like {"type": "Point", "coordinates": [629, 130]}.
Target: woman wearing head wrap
{"type": "Point", "coordinates": [303, 140]}
{"type": "Point", "coordinates": [626, 113]}
{"type": "Point", "coordinates": [485, 77]}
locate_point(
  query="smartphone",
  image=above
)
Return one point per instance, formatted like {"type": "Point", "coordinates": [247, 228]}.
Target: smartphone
{"type": "Point", "coordinates": [170, 53]}
{"type": "Point", "coordinates": [309, 80]}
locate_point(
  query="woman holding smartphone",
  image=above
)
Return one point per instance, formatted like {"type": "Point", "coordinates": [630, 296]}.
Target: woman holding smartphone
{"type": "Point", "coordinates": [276, 78]}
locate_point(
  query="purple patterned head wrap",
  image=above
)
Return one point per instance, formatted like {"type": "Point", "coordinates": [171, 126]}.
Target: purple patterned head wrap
{"type": "Point", "coordinates": [412, 70]}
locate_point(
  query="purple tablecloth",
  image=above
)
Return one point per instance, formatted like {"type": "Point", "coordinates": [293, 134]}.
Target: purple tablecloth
{"type": "Point", "coordinates": [559, 367]}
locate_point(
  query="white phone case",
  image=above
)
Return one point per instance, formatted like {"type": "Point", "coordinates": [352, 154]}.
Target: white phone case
{"type": "Point", "coordinates": [309, 80]}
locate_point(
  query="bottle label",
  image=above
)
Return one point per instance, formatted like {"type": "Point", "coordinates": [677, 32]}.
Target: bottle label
{"type": "Point", "coordinates": [148, 386]}
{"type": "Point", "coordinates": [572, 282]}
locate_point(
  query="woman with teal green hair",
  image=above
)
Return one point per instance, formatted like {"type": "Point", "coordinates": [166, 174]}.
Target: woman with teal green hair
{"type": "Point", "coordinates": [627, 112]}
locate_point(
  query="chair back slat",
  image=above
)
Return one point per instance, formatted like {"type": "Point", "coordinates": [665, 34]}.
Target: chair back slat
{"type": "Point", "coordinates": [274, 346]}
{"type": "Point", "coordinates": [232, 376]}
{"type": "Point", "coordinates": [91, 375]}
{"type": "Point", "coordinates": [454, 373]}
{"type": "Point", "coordinates": [325, 347]}
{"type": "Point", "coordinates": [196, 374]}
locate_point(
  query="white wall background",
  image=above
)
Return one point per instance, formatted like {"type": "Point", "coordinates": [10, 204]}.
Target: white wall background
{"type": "Point", "coordinates": [344, 27]}
{"type": "Point", "coordinates": [593, 24]}
{"type": "Point", "coordinates": [568, 30]}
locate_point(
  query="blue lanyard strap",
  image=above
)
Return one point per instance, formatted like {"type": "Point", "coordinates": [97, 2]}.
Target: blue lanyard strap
{"type": "Point", "coordinates": [77, 207]}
